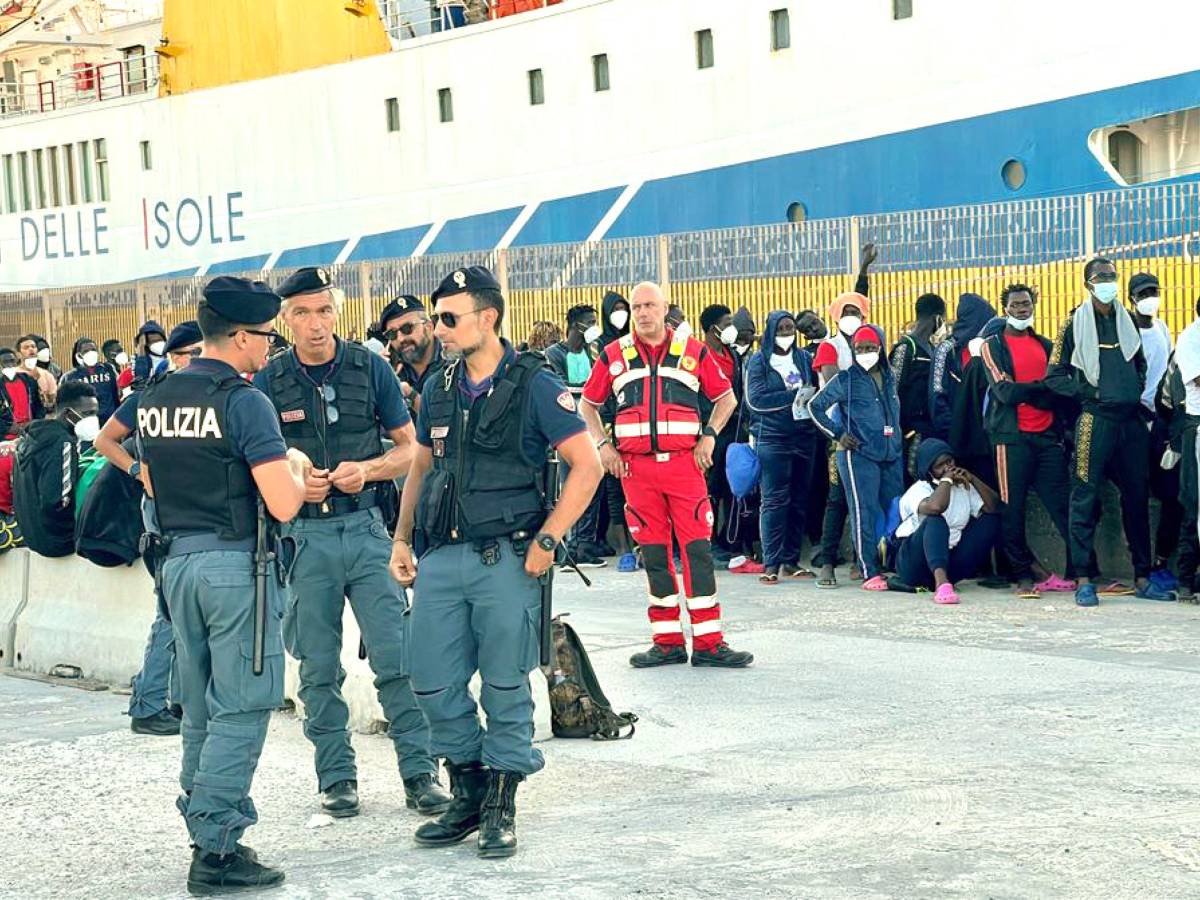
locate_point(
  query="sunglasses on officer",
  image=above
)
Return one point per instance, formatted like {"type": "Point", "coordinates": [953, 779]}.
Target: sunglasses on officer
{"type": "Point", "coordinates": [273, 337]}
{"type": "Point", "coordinates": [406, 329]}
{"type": "Point", "coordinates": [451, 320]}
{"type": "Point", "coordinates": [331, 411]}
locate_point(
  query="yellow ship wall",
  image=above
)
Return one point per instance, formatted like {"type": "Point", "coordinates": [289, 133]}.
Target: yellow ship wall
{"type": "Point", "coordinates": [215, 42]}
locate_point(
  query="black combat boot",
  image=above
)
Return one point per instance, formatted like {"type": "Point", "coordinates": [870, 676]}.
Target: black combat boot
{"type": "Point", "coordinates": [498, 824]}
{"type": "Point", "coordinates": [340, 800]}
{"type": "Point", "coordinates": [425, 794]}
{"type": "Point", "coordinates": [468, 783]}
{"type": "Point", "coordinates": [722, 657]}
{"type": "Point", "coordinates": [658, 655]}
{"type": "Point", "coordinates": [214, 874]}
{"type": "Point", "coordinates": [162, 723]}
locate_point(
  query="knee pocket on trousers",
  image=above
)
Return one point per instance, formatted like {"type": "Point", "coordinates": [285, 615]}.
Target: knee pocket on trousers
{"type": "Point", "coordinates": [700, 565]}
{"type": "Point", "coordinates": [265, 691]}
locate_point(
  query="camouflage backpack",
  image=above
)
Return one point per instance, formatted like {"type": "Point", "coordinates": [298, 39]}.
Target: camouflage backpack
{"type": "Point", "coordinates": [578, 707]}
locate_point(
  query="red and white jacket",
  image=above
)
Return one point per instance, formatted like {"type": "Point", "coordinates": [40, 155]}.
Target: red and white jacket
{"type": "Point", "coordinates": [657, 390]}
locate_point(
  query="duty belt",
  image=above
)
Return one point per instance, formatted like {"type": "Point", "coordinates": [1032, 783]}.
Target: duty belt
{"type": "Point", "coordinates": [340, 504]}
{"type": "Point", "coordinates": [202, 543]}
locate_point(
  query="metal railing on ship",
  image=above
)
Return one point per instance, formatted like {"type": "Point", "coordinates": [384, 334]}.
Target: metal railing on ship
{"type": "Point", "coordinates": [408, 19]}
{"type": "Point", "coordinates": [977, 249]}
{"type": "Point", "coordinates": [85, 83]}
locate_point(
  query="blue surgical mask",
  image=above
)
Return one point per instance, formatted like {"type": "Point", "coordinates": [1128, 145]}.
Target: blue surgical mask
{"type": "Point", "coordinates": [1105, 291]}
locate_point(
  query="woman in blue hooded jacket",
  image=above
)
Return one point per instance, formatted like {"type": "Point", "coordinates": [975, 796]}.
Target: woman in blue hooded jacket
{"type": "Point", "coordinates": [779, 383]}
{"type": "Point", "coordinates": [860, 410]}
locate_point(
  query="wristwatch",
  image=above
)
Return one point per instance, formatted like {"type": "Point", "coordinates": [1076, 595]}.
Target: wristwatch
{"type": "Point", "coordinates": [546, 541]}
{"type": "Point", "coordinates": [136, 469]}
{"type": "Point", "coordinates": [709, 431]}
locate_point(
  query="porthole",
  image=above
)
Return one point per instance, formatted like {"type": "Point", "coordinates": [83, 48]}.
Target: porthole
{"type": "Point", "coordinates": [797, 212]}
{"type": "Point", "coordinates": [1013, 173]}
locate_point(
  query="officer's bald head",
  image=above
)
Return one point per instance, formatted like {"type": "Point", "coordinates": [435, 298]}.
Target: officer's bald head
{"type": "Point", "coordinates": [648, 305]}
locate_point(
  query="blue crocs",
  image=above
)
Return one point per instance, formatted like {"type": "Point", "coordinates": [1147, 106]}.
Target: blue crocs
{"type": "Point", "coordinates": [627, 563]}
{"type": "Point", "coordinates": [1151, 591]}
{"type": "Point", "coordinates": [1085, 595]}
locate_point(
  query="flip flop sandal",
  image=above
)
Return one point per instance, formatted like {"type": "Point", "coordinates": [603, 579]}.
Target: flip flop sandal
{"type": "Point", "coordinates": [1027, 593]}
{"type": "Point", "coordinates": [769, 578]}
{"type": "Point", "coordinates": [1115, 589]}
{"type": "Point", "coordinates": [827, 584]}
{"type": "Point", "coordinates": [801, 572]}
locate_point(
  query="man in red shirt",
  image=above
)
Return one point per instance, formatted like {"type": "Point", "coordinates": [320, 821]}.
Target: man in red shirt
{"type": "Point", "coordinates": [662, 452]}
{"type": "Point", "coordinates": [1028, 443]}
{"type": "Point", "coordinates": [21, 395]}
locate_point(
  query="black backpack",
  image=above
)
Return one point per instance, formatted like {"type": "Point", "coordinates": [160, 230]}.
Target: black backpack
{"type": "Point", "coordinates": [578, 707]}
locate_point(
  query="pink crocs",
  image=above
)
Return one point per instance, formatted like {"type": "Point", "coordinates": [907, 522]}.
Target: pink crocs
{"type": "Point", "coordinates": [1055, 585]}
{"type": "Point", "coordinates": [945, 595]}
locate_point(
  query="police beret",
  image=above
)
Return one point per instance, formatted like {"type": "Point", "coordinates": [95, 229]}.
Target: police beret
{"type": "Point", "coordinates": [241, 300]}
{"type": "Point", "coordinates": [465, 281]}
{"type": "Point", "coordinates": [1140, 282]}
{"type": "Point", "coordinates": [401, 306]}
{"type": "Point", "coordinates": [308, 280]}
{"type": "Point", "coordinates": [185, 334]}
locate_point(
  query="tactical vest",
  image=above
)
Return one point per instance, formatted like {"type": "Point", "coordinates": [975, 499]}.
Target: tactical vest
{"type": "Point", "coordinates": [658, 404]}
{"type": "Point", "coordinates": [481, 486]}
{"type": "Point", "coordinates": [303, 416]}
{"type": "Point", "coordinates": [200, 485]}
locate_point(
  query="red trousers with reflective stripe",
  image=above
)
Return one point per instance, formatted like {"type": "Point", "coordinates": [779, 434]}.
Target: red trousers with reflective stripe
{"type": "Point", "coordinates": [662, 498]}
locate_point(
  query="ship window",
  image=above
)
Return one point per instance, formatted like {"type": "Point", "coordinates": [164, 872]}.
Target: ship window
{"type": "Point", "coordinates": [1125, 154]}
{"type": "Point", "coordinates": [392, 106]}
{"type": "Point", "coordinates": [537, 88]}
{"type": "Point", "coordinates": [147, 159]}
{"type": "Point", "coordinates": [704, 49]}
{"type": "Point", "coordinates": [102, 169]}
{"type": "Point", "coordinates": [1013, 173]}
{"type": "Point", "coordinates": [781, 29]}
{"type": "Point", "coordinates": [446, 105]}
{"type": "Point", "coordinates": [39, 178]}
{"type": "Point", "coordinates": [52, 172]}
{"type": "Point", "coordinates": [902, 9]}
{"type": "Point", "coordinates": [600, 72]}
{"type": "Point", "coordinates": [23, 176]}
{"type": "Point", "coordinates": [68, 155]}
{"type": "Point", "coordinates": [85, 169]}
{"type": "Point", "coordinates": [10, 187]}
{"type": "Point", "coordinates": [797, 212]}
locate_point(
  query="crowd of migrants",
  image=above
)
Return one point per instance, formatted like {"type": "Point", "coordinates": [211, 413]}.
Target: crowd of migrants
{"type": "Point", "coordinates": [675, 448]}
{"type": "Point", "coordinates": [927, 453]}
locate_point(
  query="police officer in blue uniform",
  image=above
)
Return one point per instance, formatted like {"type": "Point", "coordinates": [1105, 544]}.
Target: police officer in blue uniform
{"type": "Point", "coordinates": [334, 399]}
{"type": "Point", "coordinates": [211, 450]}
{"type": "Point", "coordinates": [417, 354]}
{"type": "Point", "coordinates": [476, 492]}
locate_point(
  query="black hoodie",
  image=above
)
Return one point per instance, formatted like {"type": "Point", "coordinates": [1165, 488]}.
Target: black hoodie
{"type": "Point", "coordinates": [608, 412]}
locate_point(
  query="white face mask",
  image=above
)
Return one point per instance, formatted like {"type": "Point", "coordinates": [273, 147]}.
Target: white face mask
{"type": "Point", "coordinates": [43, 355]}
{"type": "Point", "coordinates": [728, 335]}
{"type": "Point", "coordinates": [849, 324]}
{"type": "Point", "coordinates": [741, 349]}
{"type": "Point", "coordinates": [121, 359]}
{"type": "Point", "coordinates": [1148, 306]}
{"type": "Point", "coordinates": [975, 346]}
{"type": "Point", "coordinates": [784, 342]}
{"type": "Point", "coordinates": [1020, 324]}
{"type": "Point", "coordinates": [1106, 291]}
{"type": "Point", "coordinates": [683, 332]}
{"type": "Point", "coordinates": [867, 360]}
{"type": "Point", "coordinates": [90, 358]}
{"type": "Point", "coordinates": [592, 333]}
{"type": "Point", "coordinates": [619, 318]}
{"type": "Point", "coordinates": [29, 362]}
{"type": "Point", "coordinates": [87, 428]}
{"type": "Point", "coordinates": [9, 372]}
{"type": "Point", "coordinates": [158, 347]}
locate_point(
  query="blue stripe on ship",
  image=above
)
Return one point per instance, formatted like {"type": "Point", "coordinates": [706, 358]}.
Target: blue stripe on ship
{"type": "Point", "coordinates": [315, 255]}
{"type": "Point", "coordinates": [237, 266]}
{"type": "Point", "coordinates": [568, 219]}
{"type": "Point", "coordinates": [384, 245]}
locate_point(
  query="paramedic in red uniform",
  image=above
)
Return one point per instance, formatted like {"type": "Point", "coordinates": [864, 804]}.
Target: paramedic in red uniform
{"type": "Point", "coordinates": [662, 452]}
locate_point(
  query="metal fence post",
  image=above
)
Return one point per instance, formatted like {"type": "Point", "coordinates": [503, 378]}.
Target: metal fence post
{"type": "Point", "coordinates": [852, 245]}
{"type": "Point", "coordinates": [140, 287]}
{"type": "Point", "coordinates": [364, 287]}
{"type": "Point", "coordinates": [664, 263]}
{"type": "Point", "coordinates": [502, 277]}
{"type": "Point", "coordinates": [1089, 225]}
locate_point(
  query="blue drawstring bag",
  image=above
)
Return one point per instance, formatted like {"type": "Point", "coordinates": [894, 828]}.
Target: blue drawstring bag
{"type": "Point", "coordinates": [742, 470]}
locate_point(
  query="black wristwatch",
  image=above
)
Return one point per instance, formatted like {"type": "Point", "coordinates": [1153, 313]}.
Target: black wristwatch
{"type": "Point", "coordinates": [546, 541]}
{"type": "Point", "coordinates": [709, 431]}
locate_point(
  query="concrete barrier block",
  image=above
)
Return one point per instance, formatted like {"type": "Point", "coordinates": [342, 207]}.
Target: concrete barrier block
{"type": "Point", "coordinates": [14, 581]}
{"type": "Point", "coordinates": [80, 614]}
